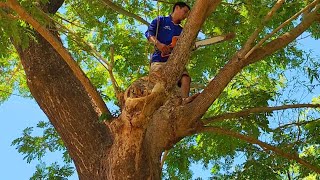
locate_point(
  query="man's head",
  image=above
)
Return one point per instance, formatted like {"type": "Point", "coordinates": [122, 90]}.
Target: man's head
{"type": "Point", "coordinates": [181, 10]}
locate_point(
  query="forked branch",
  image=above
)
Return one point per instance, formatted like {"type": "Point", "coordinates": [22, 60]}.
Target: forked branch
{"type": "Point", "coordinates": [255, 34]}
{"type": "Point", "coordinates": [202, 102]}
{"type": "Point", "coordinates": [284, 39]}
{"type": "Point", "coordinates": [281, 26]}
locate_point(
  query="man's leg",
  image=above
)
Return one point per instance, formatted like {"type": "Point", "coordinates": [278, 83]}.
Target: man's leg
{"type": "Point", "coordinates": [185, 86]}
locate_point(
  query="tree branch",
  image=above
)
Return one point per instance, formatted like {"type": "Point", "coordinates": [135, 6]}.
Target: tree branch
{"type": "Point", "coordinates": [54, 5]}
{"type": "Point", "coordinates": [95, 54]}
{"type": "Point", "coordinates": [252, 38]}
{"type": "Point", "coordinates": [284, 39]}
{"type": "Point", "coordinates": [203, 101]}
{"type": "Point", "coordinates": [263, 145]}
{"type": "Point", "coordinates": [57, 45]}
{"type": "Point", "coordinates": [247, 112]}
{"type": "Point", "coordinates": [124, 12]}
{"type": "Point", "coordinates": [115, 85]}
{"type": "Point", "coordinates": [281, 26]}
{"type": "Point", "coordinates": [210, 93]}
{"type": "Point", "coordinates": [99, 57]}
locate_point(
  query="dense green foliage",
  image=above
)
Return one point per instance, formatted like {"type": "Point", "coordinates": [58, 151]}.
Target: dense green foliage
{"type": "Point", "coordinates": [274, 81]}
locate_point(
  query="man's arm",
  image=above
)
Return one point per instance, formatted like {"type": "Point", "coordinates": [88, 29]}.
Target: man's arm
{"type": "Point", "coordinates": [162, 47]}
{"type": "Point", "coordinates": [151, 36]}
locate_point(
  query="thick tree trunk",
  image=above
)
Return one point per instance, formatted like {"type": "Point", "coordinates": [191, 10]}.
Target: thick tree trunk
{"type": "Point", "coordinates": [132, 156]}
{"type": "Point", "coordinates": [151, 121]}
{"type": "Point", "coordinates": [128, 147]}
{"type": "Point", "coordinates": [65, 101]}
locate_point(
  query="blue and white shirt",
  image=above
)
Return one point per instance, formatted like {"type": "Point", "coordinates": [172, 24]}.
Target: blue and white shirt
{"type": "Point", "coordinates": [166, 30]}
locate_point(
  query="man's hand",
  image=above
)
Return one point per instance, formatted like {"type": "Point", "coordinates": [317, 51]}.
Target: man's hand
{"type": "Point", "coordinates": [165, 49]}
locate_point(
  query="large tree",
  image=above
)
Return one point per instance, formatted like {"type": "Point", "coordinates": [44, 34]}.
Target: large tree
{"type": "Point", "coordinates": [237, 81]}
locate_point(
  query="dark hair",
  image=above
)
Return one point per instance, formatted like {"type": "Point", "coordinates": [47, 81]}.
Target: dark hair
{"type": "Point", "coordinates": [181, 5]}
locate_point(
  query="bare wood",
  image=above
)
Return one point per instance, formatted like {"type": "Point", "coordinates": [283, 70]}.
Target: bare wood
{"type": "Point", "coordinates": [281, 26]}
{"type": "Point", "coordinates": [252, 38]}
{"type": "Point", "coordinates": [24, 15]}
{"type": "Point", "coordinates": [247, 112]}
{"type": "Point", "coordinates": [263, 145]}
{"type": "Point", "coordinates": [124, 12]}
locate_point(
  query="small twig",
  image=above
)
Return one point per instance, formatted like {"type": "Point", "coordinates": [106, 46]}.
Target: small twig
{"type": "Point", "coordinates": [280, 27]}
{"type": "Point", "coordinates": [247, 112]}
{"type": "Point", "coordinates": [296, 124]}
{"type": "Point", "coordinates": [70, 22]}
{"type": "Point", "coordinates": [304, 37]}
{"type": "Point", "coordinates": [113, 80]}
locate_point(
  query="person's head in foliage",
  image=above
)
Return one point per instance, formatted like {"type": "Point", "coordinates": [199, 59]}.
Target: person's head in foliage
{"type": "Point", "coordinates": [180, 11]}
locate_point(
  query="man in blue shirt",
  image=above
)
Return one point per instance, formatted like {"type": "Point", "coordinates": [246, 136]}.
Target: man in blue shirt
{"type": "Point", "coordinates": [160, 33]}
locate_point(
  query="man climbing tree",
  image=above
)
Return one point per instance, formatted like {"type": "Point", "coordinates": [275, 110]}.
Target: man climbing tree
{"type": "Point", "coordinates": [160, 33]}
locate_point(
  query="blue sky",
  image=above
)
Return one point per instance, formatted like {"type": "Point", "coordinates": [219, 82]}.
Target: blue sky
{"type": "Point", "coordinates": [18, 113]}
